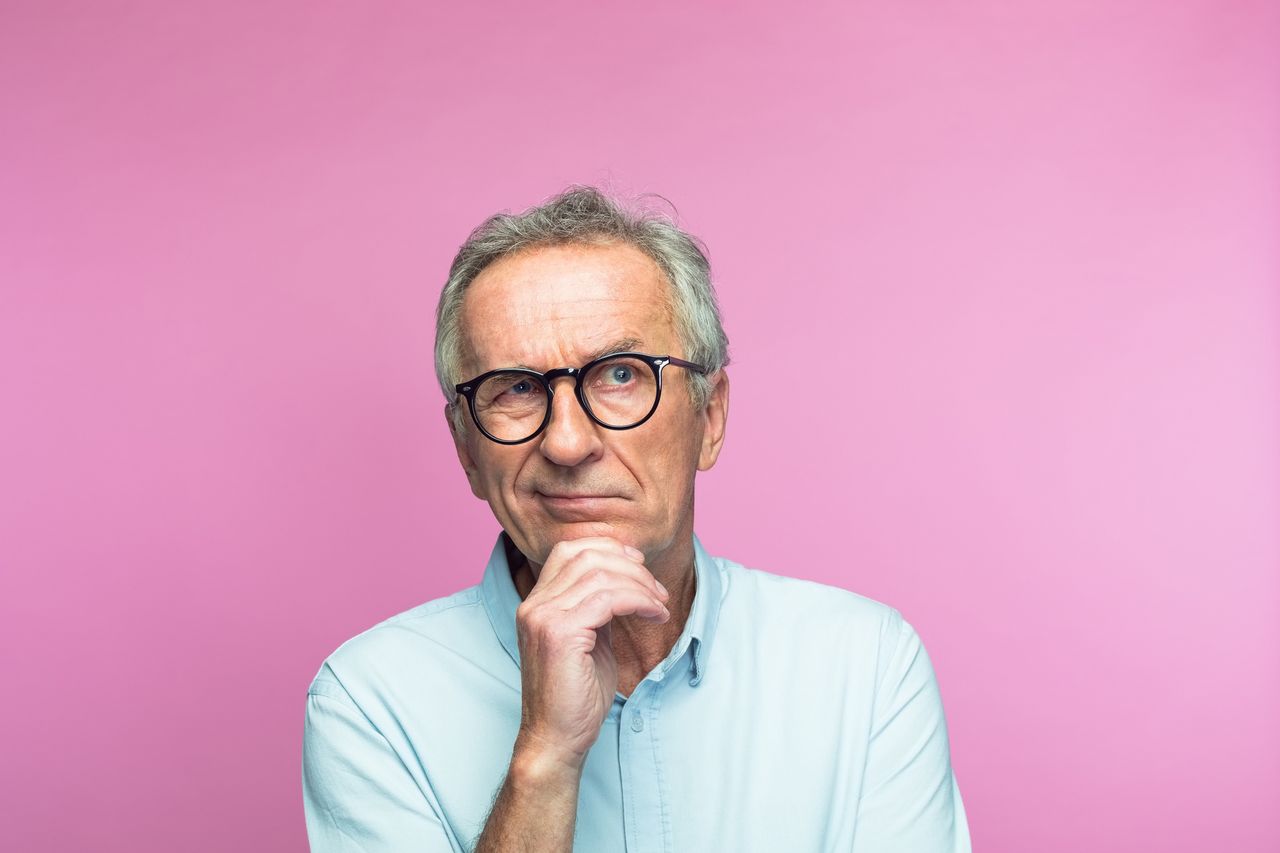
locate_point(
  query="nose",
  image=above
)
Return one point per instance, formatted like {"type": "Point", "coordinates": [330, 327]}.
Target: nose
{"type": "Point", "coordinates": [571, 437]}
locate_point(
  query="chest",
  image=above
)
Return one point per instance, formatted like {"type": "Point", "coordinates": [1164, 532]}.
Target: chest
{"type": "Point", "coordinates": [735, 763]}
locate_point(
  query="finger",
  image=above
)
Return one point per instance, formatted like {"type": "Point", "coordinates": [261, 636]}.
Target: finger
{"type": "Point", "coordinates": [569, 552]}
{"type": "Point", "coordinates": [589, 561]}
{"type": "Point", "coordinates": [602, 579]}
{"type": "Point", "coordinates": [566, 550]}
{"type": "Point", "coordinates": [586, 564]}
{"type": "Point", "coordinates": [601, 606]}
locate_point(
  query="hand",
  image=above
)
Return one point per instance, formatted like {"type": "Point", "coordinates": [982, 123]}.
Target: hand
{"type": "Point", "coordinates": [569, 675]}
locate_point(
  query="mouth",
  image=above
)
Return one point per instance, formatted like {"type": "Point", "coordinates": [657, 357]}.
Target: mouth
{"type": "Point", "coordinates": [571, 497]}
{"type": "Point", "coordinates": [572, 505]}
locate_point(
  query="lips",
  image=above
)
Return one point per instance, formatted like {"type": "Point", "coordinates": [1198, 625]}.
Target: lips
{"type": "Point", "coordinates": [573, 497]}
{"type": "Point", "coordinates": [576, 491]}
{"type": "Point", "coordinates": [578, 506]}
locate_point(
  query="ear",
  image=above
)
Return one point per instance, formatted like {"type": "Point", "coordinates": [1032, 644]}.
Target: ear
{"type": "Point", "coordinates": [715, 416]}
{"type": "Point", "coordinates": [464, 452]}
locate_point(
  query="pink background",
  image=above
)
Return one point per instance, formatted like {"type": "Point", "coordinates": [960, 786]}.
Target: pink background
{"type": "Point", "coordinates": [1023, 260]}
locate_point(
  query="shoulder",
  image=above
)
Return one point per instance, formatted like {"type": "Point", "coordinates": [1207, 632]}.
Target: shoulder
{"type": "Point", "coordinates": [772, 591]}
{"type": "Point", "coordinates": [868, 642]}
{"type": "Point", "coordinates": [406, 640]}
{"type": "Point", "coordinates": [806, 608]}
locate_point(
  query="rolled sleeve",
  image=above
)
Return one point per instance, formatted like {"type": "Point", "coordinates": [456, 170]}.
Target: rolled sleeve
{"type": "Point", "coordinates": [357, 793]}
{"type": "Point", "coordinates": [910, 801]}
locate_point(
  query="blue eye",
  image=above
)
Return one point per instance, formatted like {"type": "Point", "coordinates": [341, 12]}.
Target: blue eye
{"type": "Point", "coordinates": [620, 374]}
{"type": "Point", "coordinates": [524, 386]}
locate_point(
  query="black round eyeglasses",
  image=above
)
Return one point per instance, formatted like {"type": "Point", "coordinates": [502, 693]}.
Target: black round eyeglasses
{"type": "Point", "coordinates": [620, 390]}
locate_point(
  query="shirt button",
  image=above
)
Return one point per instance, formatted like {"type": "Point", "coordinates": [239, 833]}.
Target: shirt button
{"type": "Point", "coordinates": [637, 723]}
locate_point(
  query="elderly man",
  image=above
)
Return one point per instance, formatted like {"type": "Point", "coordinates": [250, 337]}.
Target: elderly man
{"type": "Point", "coordinates": [608, 685]}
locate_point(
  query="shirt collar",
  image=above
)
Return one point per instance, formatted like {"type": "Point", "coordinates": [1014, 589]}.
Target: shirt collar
{"type": "Point", "coordinates": [500, 597]}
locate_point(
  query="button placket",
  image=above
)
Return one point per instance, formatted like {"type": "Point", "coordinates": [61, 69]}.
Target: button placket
{"type": "Point", "coordinates": [642, 786]}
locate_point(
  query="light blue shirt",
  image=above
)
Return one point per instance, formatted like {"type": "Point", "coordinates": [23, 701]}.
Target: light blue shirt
{"type": "Point", "coordinates": [789, 716]}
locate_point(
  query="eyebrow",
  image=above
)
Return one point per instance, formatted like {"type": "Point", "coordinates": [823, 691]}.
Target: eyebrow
{"type": "Point", "coordinates": [619, 345]}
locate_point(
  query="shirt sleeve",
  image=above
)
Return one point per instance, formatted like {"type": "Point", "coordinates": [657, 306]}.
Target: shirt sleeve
{"type": "Point", "coordinates": [357, 793]}
{"type": "Point", "coordinates": [910, 800]}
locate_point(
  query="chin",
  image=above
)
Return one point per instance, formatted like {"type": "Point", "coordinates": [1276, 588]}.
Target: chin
{"type": "Point", "coordinates": [545, 538]}
{"type": "Point", "coordinates": [583, 529]}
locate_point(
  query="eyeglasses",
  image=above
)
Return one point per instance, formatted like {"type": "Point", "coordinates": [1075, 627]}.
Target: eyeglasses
{"type": "Point", "coordinates": [618, 391]}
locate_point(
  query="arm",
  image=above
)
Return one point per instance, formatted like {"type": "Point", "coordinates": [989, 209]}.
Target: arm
{"type": "Point", "coordinates": [536, 808]}
{"type": "Point", "coordinates": [910, 800]}
{"type": "Point", "coordinates": [357, 794]}
{"type": "Point", "coordinates": [568, 679]}
{"type": "Point", "coordinates": [360, 796]}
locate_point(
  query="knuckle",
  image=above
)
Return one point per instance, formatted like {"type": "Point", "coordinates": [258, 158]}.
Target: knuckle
{"type": "Point", "coordinates": [548, 632]}
{"type": "Point", "coordinates": [560, 632]}
{"type": "Point", "coordinates": [531, 615]}
{"type": "Point", "coordinates": [577, 559]}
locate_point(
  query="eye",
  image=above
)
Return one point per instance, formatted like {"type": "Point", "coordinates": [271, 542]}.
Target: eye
{"type": "Point", "coordinates": [509, 390]}
{"type": "Point", "coordinates": [617, 377]}
{"type": "Point", "coordinates": [619, 374]}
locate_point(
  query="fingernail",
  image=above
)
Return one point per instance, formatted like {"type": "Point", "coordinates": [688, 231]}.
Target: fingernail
{"type": "Point", "coordinates": [633, 553]}
{"type": "Point", "coordinates": [661, 587]}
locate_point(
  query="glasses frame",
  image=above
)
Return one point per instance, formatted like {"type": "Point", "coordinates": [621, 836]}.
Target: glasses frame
{"type": "Point", "coordinates": [656, 363]}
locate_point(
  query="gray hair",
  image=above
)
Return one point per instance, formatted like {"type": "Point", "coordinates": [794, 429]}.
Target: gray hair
{"type": "Point", "coordinates": [585, 215]}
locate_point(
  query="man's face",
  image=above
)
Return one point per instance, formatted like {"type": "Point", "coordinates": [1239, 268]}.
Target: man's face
{"type": "Point", "coordinates": [561, 307]}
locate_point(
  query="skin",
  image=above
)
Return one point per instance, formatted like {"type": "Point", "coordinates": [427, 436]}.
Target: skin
{"type": "Point", "coordinates": [561, 306]}
{"type": "Point", "coordinates": [603, 518]}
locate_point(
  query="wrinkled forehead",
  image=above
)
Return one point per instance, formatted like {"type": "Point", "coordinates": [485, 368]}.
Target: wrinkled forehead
{"type": "Point", "coordinates": [564, 305]}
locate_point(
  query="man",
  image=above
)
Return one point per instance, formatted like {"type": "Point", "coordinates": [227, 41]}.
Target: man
{"type": "Point", "coordinates": [609, 686]}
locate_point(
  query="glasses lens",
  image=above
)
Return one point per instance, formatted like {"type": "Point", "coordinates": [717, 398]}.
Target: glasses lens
{"type": "Point", "coordinates": [511, 406]}
{"type": "Point", "coordinates": [620, 391]}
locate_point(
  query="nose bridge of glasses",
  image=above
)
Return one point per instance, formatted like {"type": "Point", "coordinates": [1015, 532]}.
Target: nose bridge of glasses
{"type": "Point", "coordinates": [575, 373]}
{"type": "Point", "coordinates": [552, 375]}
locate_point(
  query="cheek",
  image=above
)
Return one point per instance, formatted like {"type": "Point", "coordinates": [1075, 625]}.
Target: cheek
{"type": "Point", "coordinates": [687, 435]}
{"type": "Point", "coordinates": [674, 460]}
{"type": "Point", "coordinates": [497, 469]}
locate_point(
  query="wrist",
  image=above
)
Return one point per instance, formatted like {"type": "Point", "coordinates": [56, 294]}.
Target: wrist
{"type": "Point", "coordinates": [536, 761]}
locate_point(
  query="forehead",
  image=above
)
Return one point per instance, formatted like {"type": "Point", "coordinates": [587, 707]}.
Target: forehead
{"type": "Point", "coordinates": [561, 305]}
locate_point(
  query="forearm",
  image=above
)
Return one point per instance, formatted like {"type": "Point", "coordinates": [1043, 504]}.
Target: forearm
{"type": "Point", "coordinates": [568, 677]}
{"type": "Point", "coordinates": [536, 808]}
